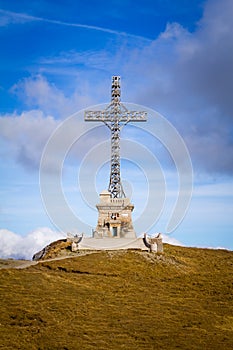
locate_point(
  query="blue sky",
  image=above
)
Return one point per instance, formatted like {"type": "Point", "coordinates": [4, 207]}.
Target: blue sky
{"type": "Point", "coordinates": [174, 57]}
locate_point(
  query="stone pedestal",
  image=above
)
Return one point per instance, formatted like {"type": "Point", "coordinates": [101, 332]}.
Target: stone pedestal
{"type": "Point", "coordinates": [115, 217]}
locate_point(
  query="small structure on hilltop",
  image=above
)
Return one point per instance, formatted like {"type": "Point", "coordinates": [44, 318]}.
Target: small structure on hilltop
{"type": "Point", "coordinates": [155, 244]}
{"type": "Point", "coordinates": [115, 209]}
{"type": "Point", "coordinates": [74, 239]}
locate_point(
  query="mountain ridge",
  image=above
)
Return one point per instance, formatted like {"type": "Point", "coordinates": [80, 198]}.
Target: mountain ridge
{"type": "Point", "coordinates": [120, 299]}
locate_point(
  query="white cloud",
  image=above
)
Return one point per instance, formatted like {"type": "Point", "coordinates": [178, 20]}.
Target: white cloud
{"type": "Point", "coordinates": [8, 17]}
{"type": "Point", "coordinates": [38, 93]}
{"type": "Point", "coordinates": [173, 30]}
{"type": "Point", "coordinates": [24, 247]}
{"type": "Point", "coordinates": [26, 135]}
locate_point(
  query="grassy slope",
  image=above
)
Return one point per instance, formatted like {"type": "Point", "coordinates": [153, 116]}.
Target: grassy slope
{"type": "Point", "coordinates": [121, 300]}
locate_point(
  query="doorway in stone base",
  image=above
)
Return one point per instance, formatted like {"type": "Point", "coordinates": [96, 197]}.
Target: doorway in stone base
{"type": "Point", "coordinates": [114, 231]}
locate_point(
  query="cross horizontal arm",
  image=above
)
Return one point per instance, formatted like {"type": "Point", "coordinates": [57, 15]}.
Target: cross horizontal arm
{"type": "Point", "coordinates": [106, 116]}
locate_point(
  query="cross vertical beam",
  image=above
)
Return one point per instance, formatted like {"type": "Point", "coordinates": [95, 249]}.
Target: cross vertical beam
{"type": "Point", "coordinates": [115, 116]}
{"type": "Point", "coordinates": [115, 186]}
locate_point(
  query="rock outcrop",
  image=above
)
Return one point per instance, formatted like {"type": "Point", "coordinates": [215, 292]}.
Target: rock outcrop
{"type": "Point", "coordinates": [54, 249]}
{"type": "Point", "coordinates": [62, 247]}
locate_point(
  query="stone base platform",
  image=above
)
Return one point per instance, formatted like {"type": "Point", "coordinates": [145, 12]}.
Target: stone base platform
{"type": "Point", "coordinates": [109, 243]}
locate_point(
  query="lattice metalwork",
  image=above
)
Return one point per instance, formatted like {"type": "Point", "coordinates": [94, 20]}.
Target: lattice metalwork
{"type": "Point", "coordinates": [115, 116]}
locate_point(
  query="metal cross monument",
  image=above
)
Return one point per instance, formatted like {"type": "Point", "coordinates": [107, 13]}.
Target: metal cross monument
{"type": "Point", "coordinates": [115, 116]}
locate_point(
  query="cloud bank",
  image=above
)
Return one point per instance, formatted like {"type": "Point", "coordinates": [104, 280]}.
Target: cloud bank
{"type": "Point", "coordinates": [25, 136]}
{"type": "Point", "coordinates": [24, 247]}
{"type": "Point", "coordinates": [187, 76]}
{"type": "Point", "coordinates": [38, 93]}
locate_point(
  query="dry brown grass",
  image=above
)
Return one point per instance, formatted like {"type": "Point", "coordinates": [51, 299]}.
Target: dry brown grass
{"type": "Point", "coordinates": [121, 300]}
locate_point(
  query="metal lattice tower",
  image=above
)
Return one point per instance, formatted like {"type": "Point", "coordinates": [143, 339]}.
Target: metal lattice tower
{"type": "Point", "coordinates": [115, 116]}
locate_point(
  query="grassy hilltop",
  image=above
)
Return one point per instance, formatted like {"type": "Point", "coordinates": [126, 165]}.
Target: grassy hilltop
{"type": "Point", "coordinates": [182, 299]}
